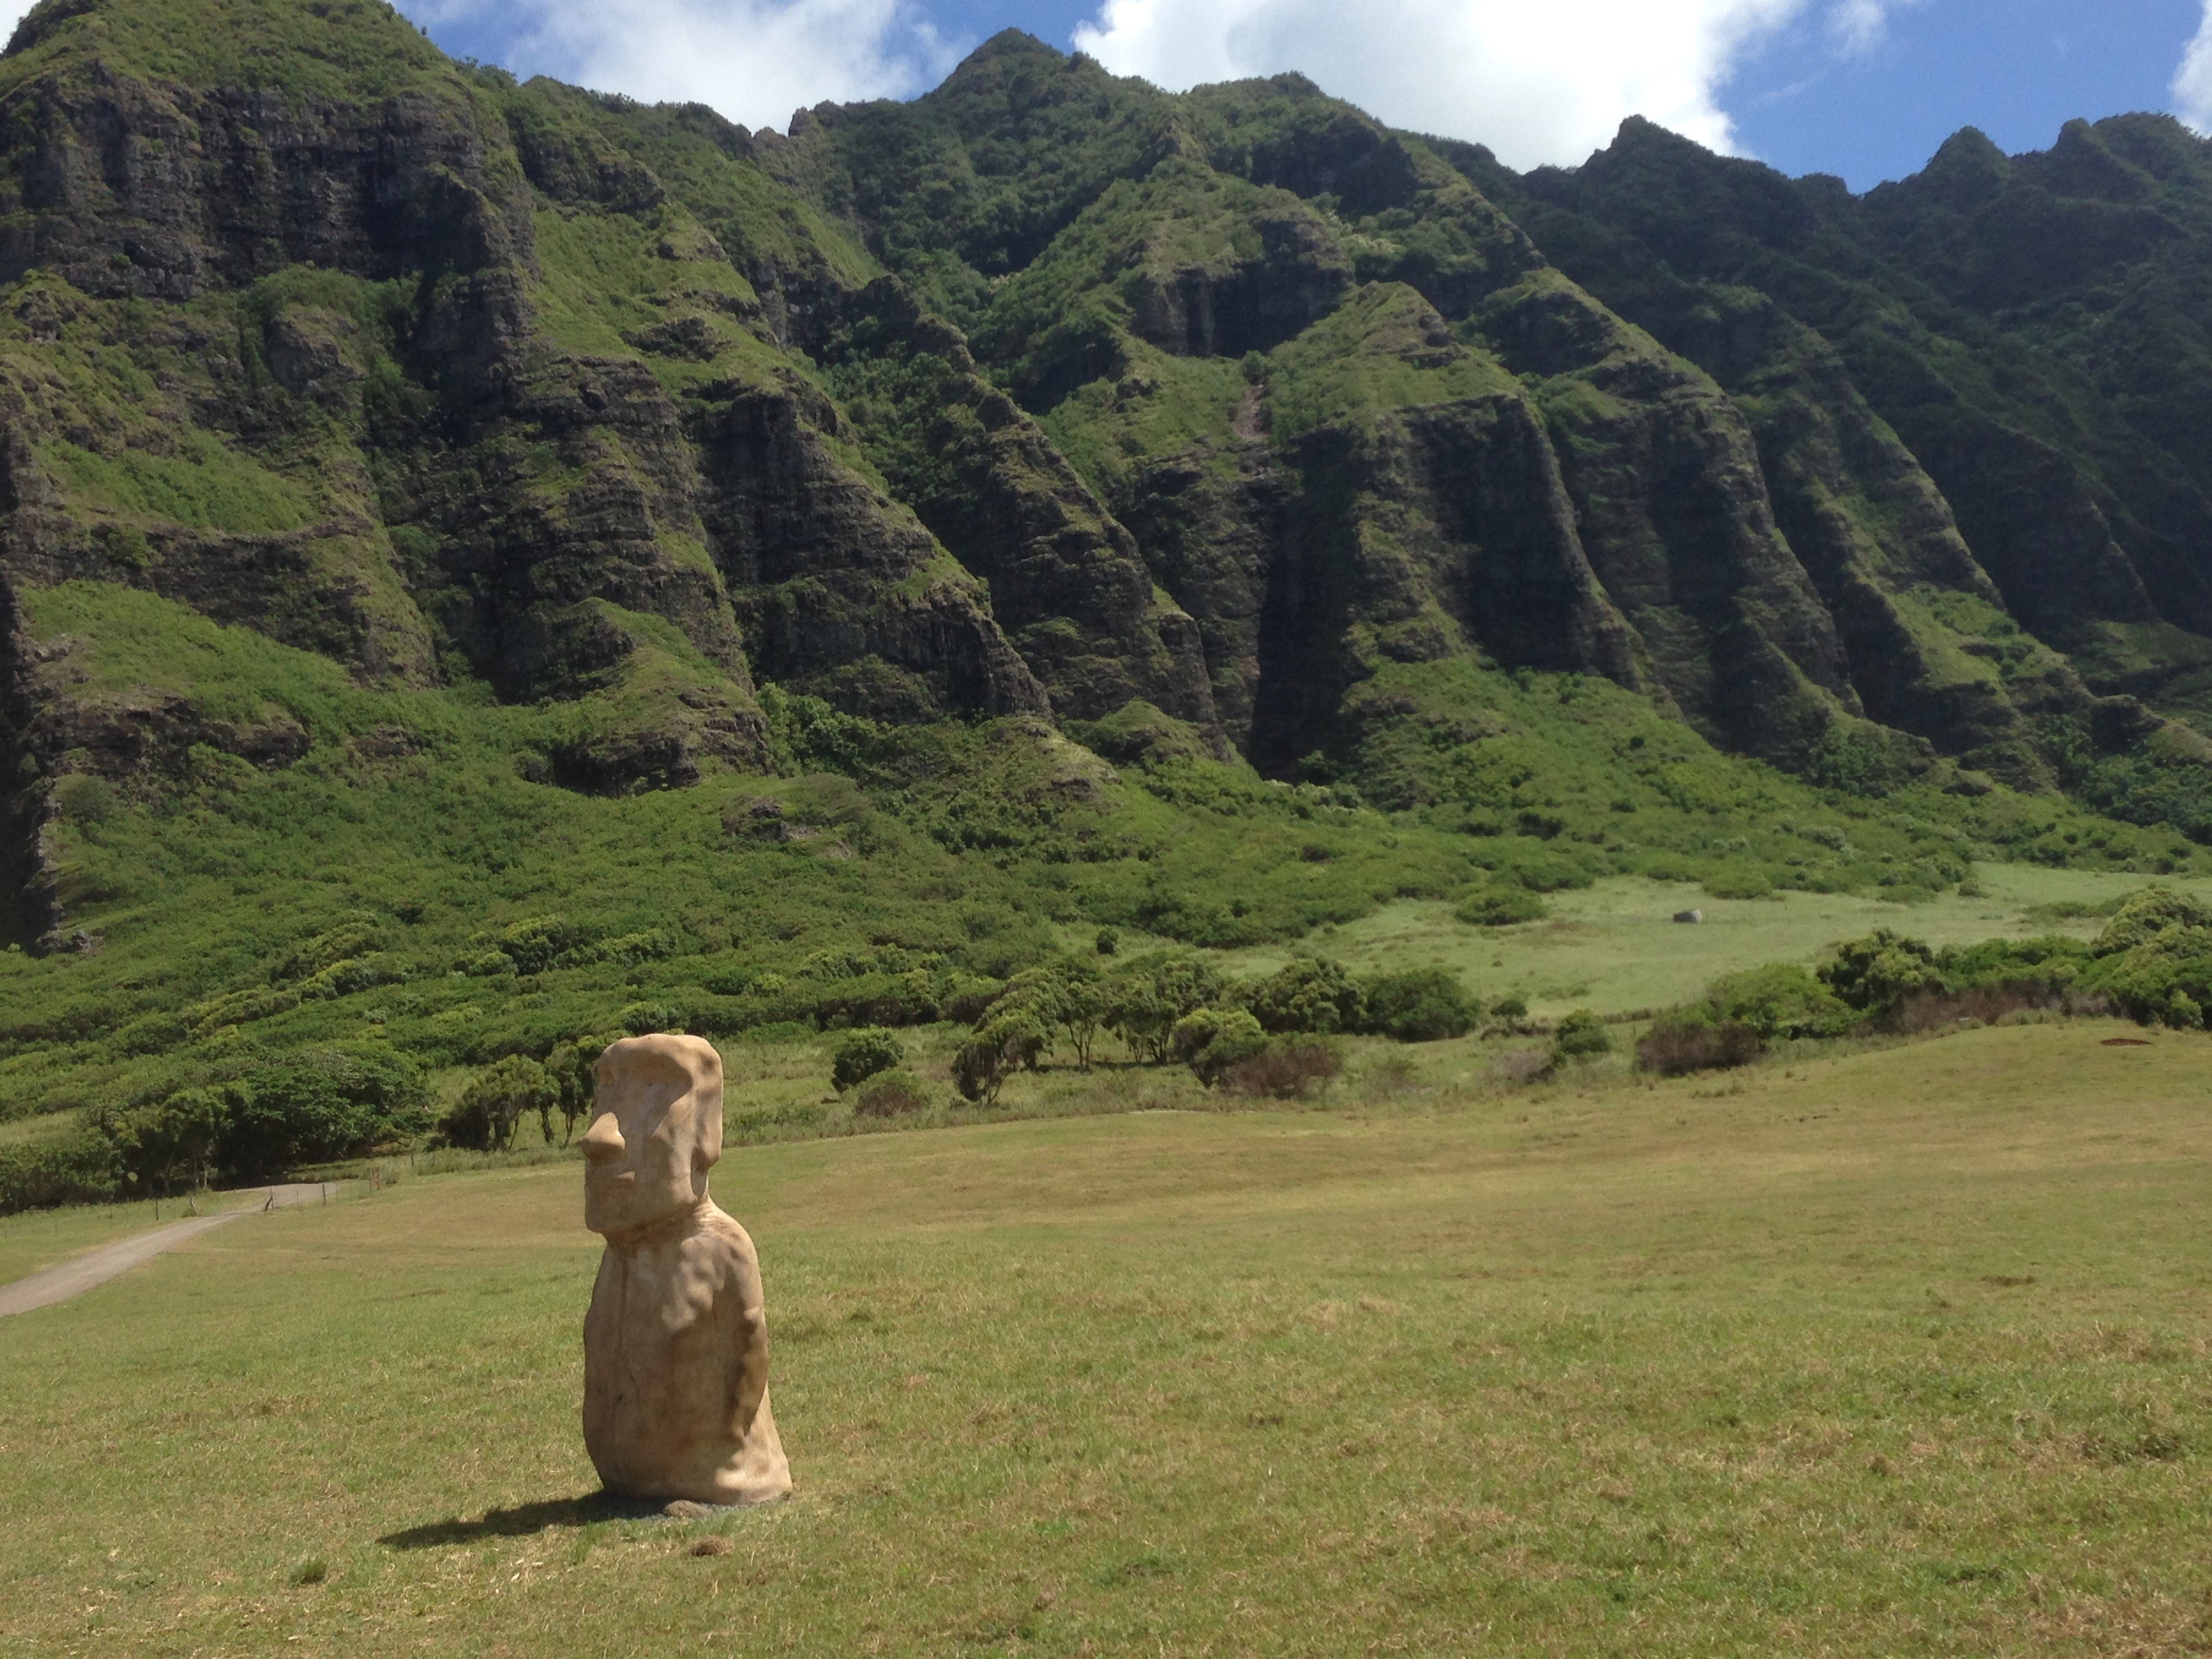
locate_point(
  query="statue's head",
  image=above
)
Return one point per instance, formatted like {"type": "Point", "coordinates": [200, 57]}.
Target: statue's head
{"type": "Point", "coordinates": [656, 1130]}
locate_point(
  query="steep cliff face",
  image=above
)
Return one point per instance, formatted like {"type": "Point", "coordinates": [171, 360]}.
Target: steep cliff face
{"type": "Point", "coordinates": [317, 333]}
{"type": "Point", "coordinates": [1957, 304]}
{"type": "Point", "coordinates": [1050, 394]}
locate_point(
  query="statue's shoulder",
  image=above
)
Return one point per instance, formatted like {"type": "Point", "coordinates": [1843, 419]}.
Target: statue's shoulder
{"type": "Point", "coordinates": [718, 1235]}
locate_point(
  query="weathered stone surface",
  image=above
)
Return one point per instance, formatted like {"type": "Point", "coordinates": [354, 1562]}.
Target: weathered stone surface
{"type": "Point", "coordinates": [676, 1396]}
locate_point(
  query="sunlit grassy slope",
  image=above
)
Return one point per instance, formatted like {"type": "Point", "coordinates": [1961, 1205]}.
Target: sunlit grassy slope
{"type": "Point", "coordinates": [1616, 946]}
{"type": "Point", "coordinates": [1901, 1353]}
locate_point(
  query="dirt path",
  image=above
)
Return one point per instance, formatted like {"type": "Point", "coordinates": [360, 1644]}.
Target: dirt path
{"type": "Point", "coordinates": [81, 1272]}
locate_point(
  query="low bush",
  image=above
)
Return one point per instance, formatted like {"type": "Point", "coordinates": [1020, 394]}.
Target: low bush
{"type": "Point", "coordinates": [1500, 907]}
{"type": "Point", "coordinates": [1524, 1065]}
{"type": "Point", "coordinates": [892, 1094]}
{"type": "Point", "coordinates": [1880, 971]}
{"type": "Point", "coordinates": [1581, 1035]}
{"type": "Point", "coordinates": [1678, 1045]}
{"type": "Point", "coordinates": [1282, 1068]}
{"type": "Point", "coordinates": [1990, 1004]}
{"type": "Point", "coordinates": [862, 1054]}
{"type": "Point", "coordinates": [1780, 1000]}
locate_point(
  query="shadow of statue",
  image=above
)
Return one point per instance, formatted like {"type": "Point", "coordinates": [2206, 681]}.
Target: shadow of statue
{"type": "Point", "coordinates": [523, 1520]}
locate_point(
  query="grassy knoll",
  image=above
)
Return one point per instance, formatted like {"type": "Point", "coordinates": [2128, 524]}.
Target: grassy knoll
{"type": "Point", "coordinates": [1615, 946]}
{"type": "Point", "coordinates": [1898, 1351]}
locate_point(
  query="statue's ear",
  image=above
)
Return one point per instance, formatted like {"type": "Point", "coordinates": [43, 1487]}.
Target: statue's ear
{"type": "Point", "coordinates": [707, 1127]}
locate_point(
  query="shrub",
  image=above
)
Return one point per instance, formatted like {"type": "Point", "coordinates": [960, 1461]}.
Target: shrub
{"type": "Point", "coordinates": [1191, 1033]}
{"type": "Point", "coordinates": [1109, 942]}
{"type": "Point", "coordinates": [2153, 915]}
{"type": "Point", "coordinates": [80, 798]}
{"type": "Point", "coordinates": [1581, 1035]}
{"type": "Point", "coordinates": [1510, 1008]}
{"type": "Point", "coordinates": [892, 1094]}
{"type": "Point", "coordinates": [1500, 907]}
{"type": "Point", "coordinates": [78, 1169]}
{"type": "Point", "coordinates": [1309, 994]}
{"type": "Point", "coordinates": [240, 1008]}
{"type": "Point", "coordinates": [1780, 1000]}
{"type": "Point", "coordinates": [645, 1018]}
{"type": "Point", "coordinates": [1283, 1068]}
{"type": "Point", "coordinates": [862, 1054]}
{"type": "Point", "coordinates": [1423, 1005]}
{"type": "Point", "coordinates": [357, 936]}
{"type": "Point", "coordinates": [1524, 1065]}
{"type": "Point", "coordinates": [1877, 973]}
{"type": "Point", "coordinates": [1987, 1004]}
{"type": "Point", "coordinates": [1679, 1044]}
{"type": "Point", "coordinates": [536, 943]}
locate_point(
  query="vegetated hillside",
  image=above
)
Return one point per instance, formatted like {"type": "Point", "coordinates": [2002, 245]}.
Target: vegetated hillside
{"type": "Point", "coordinates": [487, 562]}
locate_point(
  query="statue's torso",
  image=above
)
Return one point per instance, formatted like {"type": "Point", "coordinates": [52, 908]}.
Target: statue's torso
{"type": "Point", "coordinates": [676, 1369]}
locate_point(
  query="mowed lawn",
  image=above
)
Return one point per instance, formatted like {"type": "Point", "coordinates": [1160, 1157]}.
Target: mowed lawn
{"type": "Point", "coordinates": [1903, 1352]}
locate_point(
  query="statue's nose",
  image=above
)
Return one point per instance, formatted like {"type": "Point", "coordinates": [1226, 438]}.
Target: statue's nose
{"type": "Point", "coordinates": [603, 1141]}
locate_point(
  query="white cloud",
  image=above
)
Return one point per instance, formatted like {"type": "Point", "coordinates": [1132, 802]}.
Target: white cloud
{"type": "Point", "coordinates": [756, 60]}
{"type": "Point", "coordinates": [1858, 25]}
{"type": "Point", "coordinates": [2192, 82]}
{"type": "Point", "coordinates": [1537, 81]}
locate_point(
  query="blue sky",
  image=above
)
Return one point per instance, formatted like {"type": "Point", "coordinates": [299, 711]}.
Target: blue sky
{"type": "Point", "coordinates": [2018, 70]}
{"type": "Point", "coordinates": [1866, 88]}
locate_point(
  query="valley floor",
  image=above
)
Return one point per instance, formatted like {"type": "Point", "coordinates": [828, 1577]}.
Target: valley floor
{"type": "Point", "coordinates": [1898, 1351]}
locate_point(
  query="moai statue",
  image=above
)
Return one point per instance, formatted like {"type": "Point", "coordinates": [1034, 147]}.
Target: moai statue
{"type": "Point", "coordinates": [676, 1342]}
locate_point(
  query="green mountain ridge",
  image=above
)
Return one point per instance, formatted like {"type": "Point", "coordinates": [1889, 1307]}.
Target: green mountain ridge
{"type": "Point", "coordinates": [456, 502]}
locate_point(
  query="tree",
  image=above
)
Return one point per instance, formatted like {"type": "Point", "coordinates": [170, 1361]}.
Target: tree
{"type": "Point", "coordinates": [1144, 1000]}
{"type": "Point", "coordinates": [1309, 994]}
{"type": "Point", "coordinates": [573, 1070]}
{"type": "Point", "coordinates": [484, 1118]}
{"type": "Point", "coordinates": [1008, 1040]}
{"type": "Point", "coordinates": [1067, 993]}
{"type": "Point", "coordinates": [1423, 1005]}
{"type": "Point", "coordinates": [319, 1104]}
{"type": "Point", "coordinates": [1212, 1043]}
{"type": "Point", "coordinates": [173, 1145]}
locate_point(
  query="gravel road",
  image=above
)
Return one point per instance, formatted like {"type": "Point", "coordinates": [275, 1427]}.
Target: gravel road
{"type": "Point", "coordinates": [81, 1272]}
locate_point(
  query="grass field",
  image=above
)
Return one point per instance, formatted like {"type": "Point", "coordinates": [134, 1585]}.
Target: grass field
{"type": "Point", "coordinates": [1898, 1352]}
{"type": "Point", "coordinates": [1615, 946]}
